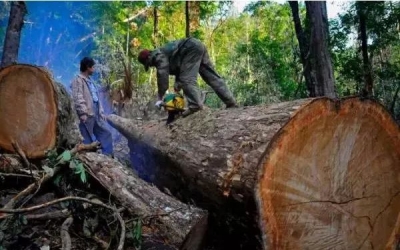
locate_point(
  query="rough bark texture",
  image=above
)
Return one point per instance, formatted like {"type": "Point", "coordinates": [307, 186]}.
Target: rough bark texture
{"type": "Point", "coordinates": [210, 158]}
{"type": "Point", "coordinates": [304, 46]}
{"type": "Point", "coordinates": [13, 33]}
{"type": "Point", "coordinates": [320, 59]}
{"type": "Point", "coordinates": [35, 111]}
{"type": "Point", "coordinates": [187, 18]}
{"type": "Point", "coordinates": [213, 158]}
{"type": "Point", "coordinates": [179, 224]}
{"type": "Point", "coordinates": [330, 179]}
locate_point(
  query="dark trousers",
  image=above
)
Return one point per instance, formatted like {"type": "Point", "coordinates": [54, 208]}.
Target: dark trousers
{"type": "Point", "coordinates": [95, 128]}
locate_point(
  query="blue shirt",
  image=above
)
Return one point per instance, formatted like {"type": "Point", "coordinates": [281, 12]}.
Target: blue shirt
{"type": "Point", "coordinates": [93, 90]}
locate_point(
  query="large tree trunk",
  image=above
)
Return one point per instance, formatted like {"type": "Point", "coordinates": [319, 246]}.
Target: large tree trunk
{"type": "Point", "coordinates": [320, 59]}
{"type": "Point", "coordinates": [180, 225]}
{"type": "Point", "coordinates": [35, 112]}
{"type": "Point", "coordinates": [315, 152]}
{"type": "Point", "coordinates": [13, 33]}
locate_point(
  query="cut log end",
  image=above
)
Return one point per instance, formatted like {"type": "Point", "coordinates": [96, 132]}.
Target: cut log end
{"type": "Point", "coordinates": [28, 110]}
{"type": "Point", "coordinates": [330, 179]}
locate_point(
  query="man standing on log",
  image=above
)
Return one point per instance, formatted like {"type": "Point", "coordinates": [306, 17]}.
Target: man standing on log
{"type": "Point", "coordinates": [89, 109]}
{"type": "Point", "coordinates": [184, 59]}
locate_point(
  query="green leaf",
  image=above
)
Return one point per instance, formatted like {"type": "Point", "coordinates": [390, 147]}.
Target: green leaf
{"type": "Point", "coordinates": [83, 176]}
{"type": "Point", "coordinates": [48, 170]}
{"type": "Point", "coordinates": [64, 204]}
{"type": "Point", "coordinates": [24, 220]}
{"type": "Point", "coordinates": [65, 156]}
{"type": "Point", "coordinates": [57, 180]}
{"type": "Point", "coordinates": [72, 164]}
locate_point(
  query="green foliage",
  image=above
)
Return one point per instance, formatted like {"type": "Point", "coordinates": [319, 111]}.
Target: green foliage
{"type": "Point", "coordinates": [79, 169]}
{"type": "Point", "coordinates": [134, 228]}
{"type": "Point", "coordinates": [383, 48]}
{"type": "Point", "coordinates": [64, 158]}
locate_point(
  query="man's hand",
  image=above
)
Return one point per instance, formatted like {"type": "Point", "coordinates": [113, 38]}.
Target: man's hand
{"type": "Point", "coordinates": [83, 118]}
{"type": "Point", "coordinates": [103, 117]}
{"type": "Point", "coordinates": [159, 103]}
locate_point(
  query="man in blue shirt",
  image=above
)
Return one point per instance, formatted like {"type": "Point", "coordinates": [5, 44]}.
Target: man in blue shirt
{"type": "Point", "coordinates": [89, 109]}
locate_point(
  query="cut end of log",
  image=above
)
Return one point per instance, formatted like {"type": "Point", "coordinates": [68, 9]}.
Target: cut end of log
{"type": "Point", "coordinates": [28, 110]}
{"type": "Point", "coordinates": [330, 178]}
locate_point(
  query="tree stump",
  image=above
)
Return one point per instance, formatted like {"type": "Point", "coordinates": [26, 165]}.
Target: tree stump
{"type": "Point", "coordinates": [35, 111]}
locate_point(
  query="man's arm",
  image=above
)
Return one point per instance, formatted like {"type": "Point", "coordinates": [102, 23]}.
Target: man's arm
{"type": "Point", "coordinates": [77, 95]}
{"type": "Point", "coordinates": [162, 65]}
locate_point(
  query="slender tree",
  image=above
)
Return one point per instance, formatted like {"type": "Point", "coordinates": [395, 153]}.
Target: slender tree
{"type": "Point", "coordinates": [368, 80]}
{"type": "Point", "coordinates": [187, 15]}
{"type": "Point", "coordinates": [13, 33]}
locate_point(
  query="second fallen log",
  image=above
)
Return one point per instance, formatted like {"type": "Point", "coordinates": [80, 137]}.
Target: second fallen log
{"type": "Point", "coordinates": [180, 225]}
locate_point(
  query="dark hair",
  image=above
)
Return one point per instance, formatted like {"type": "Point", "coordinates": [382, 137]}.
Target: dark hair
{"type": "Point", "coordinates": [86, 63]}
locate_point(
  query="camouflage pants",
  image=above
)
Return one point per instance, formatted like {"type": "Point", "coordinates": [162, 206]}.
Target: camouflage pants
{"type": "Point", "coordinates": [195, 59]}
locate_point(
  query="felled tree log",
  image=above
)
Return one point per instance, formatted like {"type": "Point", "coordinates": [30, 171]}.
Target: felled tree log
{"type": "Point", "coordinates": [329, 164]}
{"type": "Point", "coordinates": [181, 225]}
{"type": "Point", "coordinates": [35, 111]}
{"type": "Point", "coordinates": [330, 179]}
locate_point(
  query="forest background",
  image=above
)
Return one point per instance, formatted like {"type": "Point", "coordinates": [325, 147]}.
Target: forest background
{"type": "Point", "coordinates": [254, 45]}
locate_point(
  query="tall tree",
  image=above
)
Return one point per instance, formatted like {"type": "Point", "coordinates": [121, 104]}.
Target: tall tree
{"type": "Point", "coordinates": [320, 59]}
{"type": "Point", "coordinates": [187, 15]}
{"type": "Point", "coordinates": [313, 44]}
{"type": "Point", "coordinates": [368, 80]}
{"type": "Point", "coordinates": [155, 26]}
{"type": "Point", "coordinates": [304, 48]}
{"type": "Point", "coordinates": [13, 33]}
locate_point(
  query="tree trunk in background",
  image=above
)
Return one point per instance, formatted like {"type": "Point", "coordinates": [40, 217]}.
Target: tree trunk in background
{"type": "Point", "coordinates": [187, 15]}
{"type": "Point", "coordinates": [13, 33]}
{"type": "Point", "coordinates": [194, 10]}
{"type": "Point", "coordinates": [155, 27]}
{"type": "Point", "coordinates": [304, 49]}
{"type": "Point", "coordinates": [320, 59]}
{"type": "Point", "coordinates": [368, 84]}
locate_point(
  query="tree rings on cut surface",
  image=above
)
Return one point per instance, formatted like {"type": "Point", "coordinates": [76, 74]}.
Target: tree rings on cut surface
{"type": "Point", "coordinates": [28, 110]}
{"type": "Point", "coordinates": [330, 179]}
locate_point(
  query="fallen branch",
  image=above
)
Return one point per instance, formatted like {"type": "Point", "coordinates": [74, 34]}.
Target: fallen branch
{"type": "Point", "coordinates": [46, 216]}
{"type": "Point", "coordinates": [31, 188]}
{"type": "Point", "coordinates": [103, 245]}
{"type": "Point", "coordinates": [95, 202]}
{"type": "Point", "coordinates": [15, 175]}
{"type": "Point", "coordinates": [21, 153]}
{"type": "Point", "coordinates": [65, 237]}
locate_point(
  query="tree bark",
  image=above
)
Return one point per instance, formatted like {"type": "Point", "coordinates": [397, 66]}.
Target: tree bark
{"type": "Point", "coordinates": [35, 111]}
{"type": "Point", "coordinates": [178, 224]}
{"type": "Point", "coordinates": [13, 33]}
{"type": "Point", "coordinates": [320, 59]}
{"type": "Point", "coordinates": [155, 27]}
{"type": "Point", "coordinates": [368, 87]}
{"type": "Point", "coordinates": [304, 49]}
{"type": "Point", "coordinates": [327, 154]}
{"type": "Point", "coordinates": [187, 16]}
